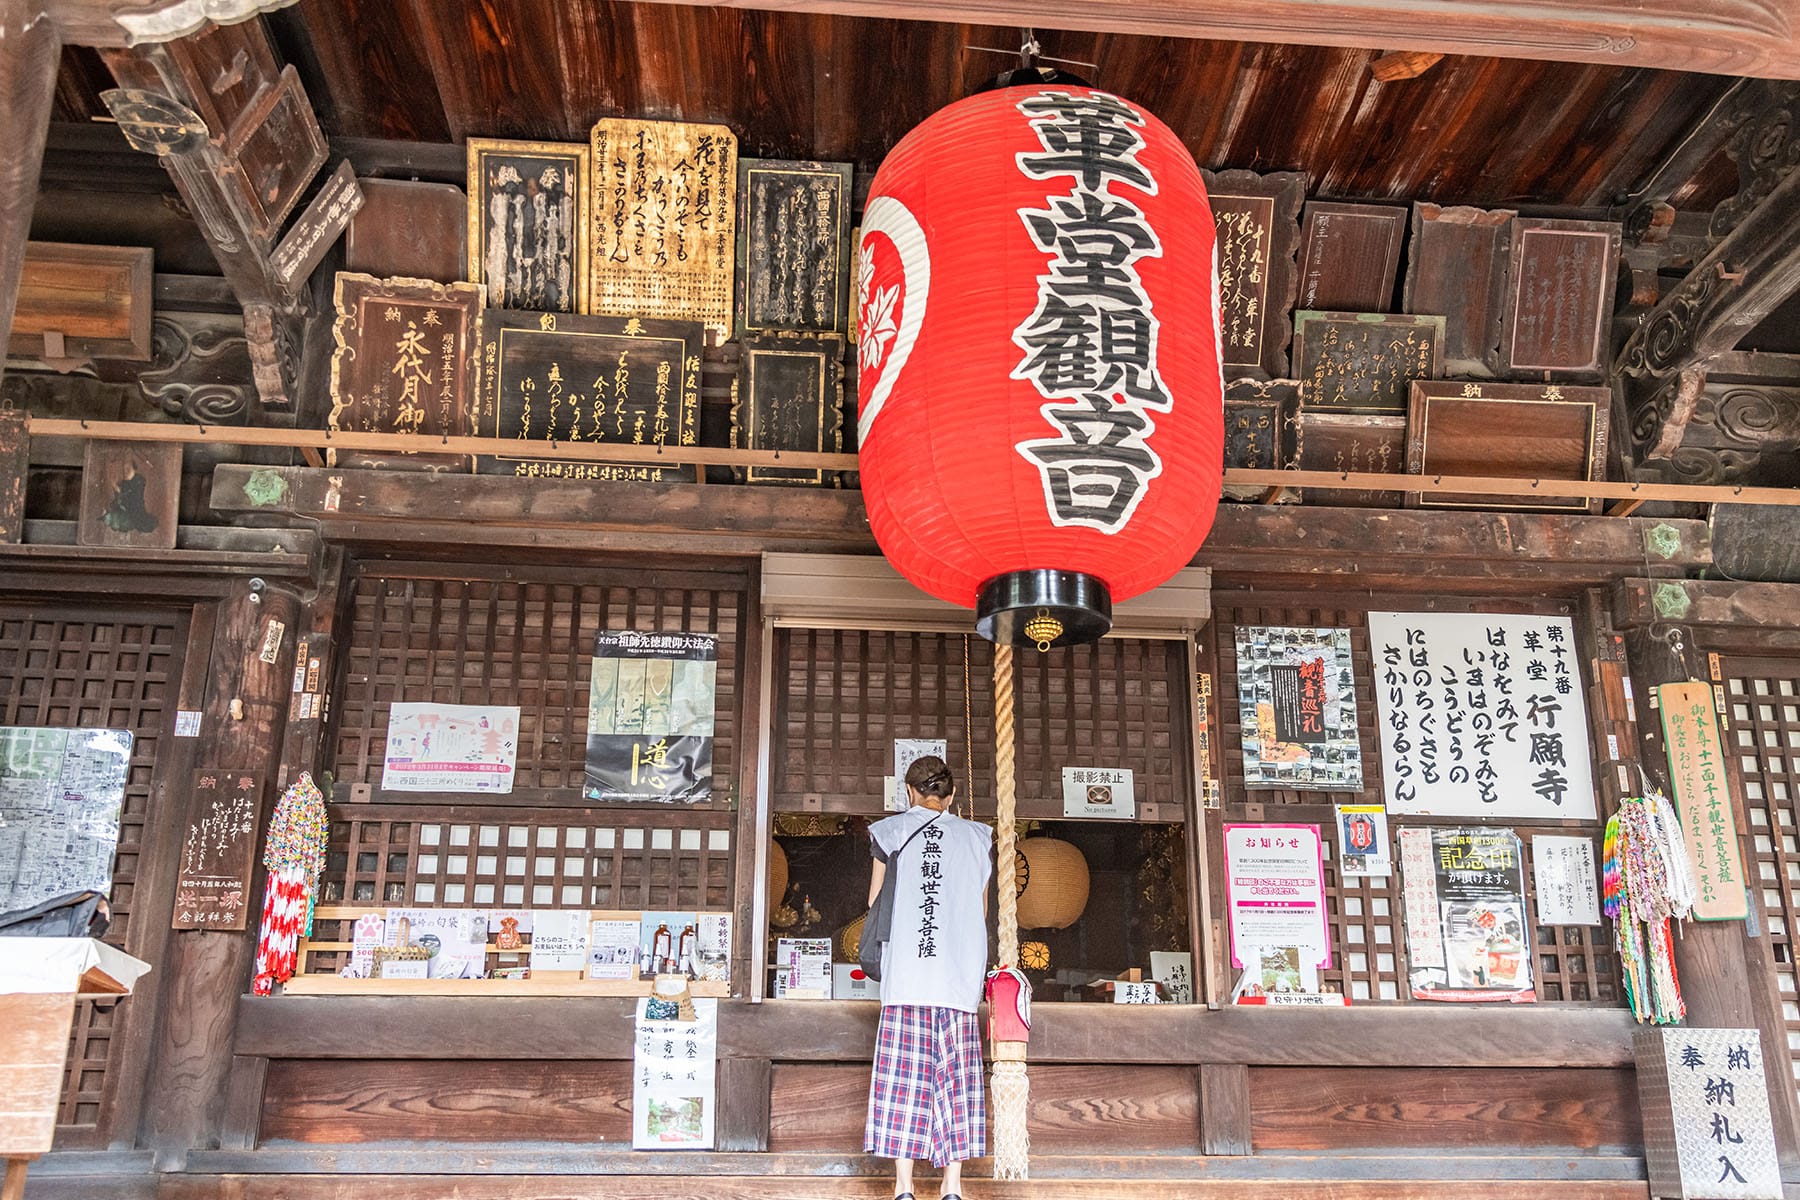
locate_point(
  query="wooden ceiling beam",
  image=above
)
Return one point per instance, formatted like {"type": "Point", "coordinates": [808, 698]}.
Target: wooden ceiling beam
{"type": "Point", "coordinates": [1721, 37]}
{"type": "Point", "coordinates": [29, 53]}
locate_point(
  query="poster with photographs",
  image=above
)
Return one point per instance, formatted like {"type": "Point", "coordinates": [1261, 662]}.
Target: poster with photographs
{"type": "Point", "coordinates": [1476, 887]}
{"type": "Point", "coordinates": [650, 717]}
{"type": "Point", "coordinates": [1297, 709]}
{"type": "Point", "coordinates": [674, 1072]}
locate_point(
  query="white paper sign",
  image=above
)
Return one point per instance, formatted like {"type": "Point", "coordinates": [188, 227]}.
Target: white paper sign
{"type": "Point", "coordinates": [1175, 971]}
{"type": "Point", "coordinates": [559, 940]}
{"type": "Point", "coordinates": [451, 748]}
{"type": "Point", "coordinates": [1418, 882]}
{"type": "Point", "coordinates": [674, 1064]}
{"type": "Point", "coordinates": [612, 950]}
{"type": "Point", "coordinates": [1275, 889]}
{"type": "Point", "coordinates": [1562, 869]}
{"type": "Point", "coordinates": [456, 937]}
{"type": "Point", "coordinates": [1135, 993]}
{"type": "Point", "coordinates": [907, 751]}
{"type": "Point", "coordinates": [1482, 715]}
{"type": "Point", "coordinates": [803, 969]}
{"type": "Point", "coordinates": [1107, 792]}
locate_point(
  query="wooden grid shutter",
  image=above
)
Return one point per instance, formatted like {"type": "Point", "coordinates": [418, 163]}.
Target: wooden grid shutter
{"type": "Point", "coordinates": [100, 669]}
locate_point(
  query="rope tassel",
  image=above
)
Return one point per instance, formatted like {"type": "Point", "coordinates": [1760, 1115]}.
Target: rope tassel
{"type": "Point", "coordinates": [1010, 1094]}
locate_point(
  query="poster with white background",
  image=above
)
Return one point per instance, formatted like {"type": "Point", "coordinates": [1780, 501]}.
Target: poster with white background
{"type": "Point", "coordinates": [1275, 890]}
{"type": "Point", "coordinates": [1481, 715]}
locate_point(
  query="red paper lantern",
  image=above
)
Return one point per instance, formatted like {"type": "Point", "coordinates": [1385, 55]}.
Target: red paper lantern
{"type": "Point", "coordinates": [1041, 429]}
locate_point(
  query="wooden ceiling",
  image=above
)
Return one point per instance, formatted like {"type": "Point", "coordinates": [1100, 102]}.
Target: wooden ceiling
{"type": "Point", "coordinates": [1471, 130]}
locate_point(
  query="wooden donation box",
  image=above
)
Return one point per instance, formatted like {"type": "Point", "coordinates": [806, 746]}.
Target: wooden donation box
{"type": "Point", "coordinates": [40, 979]}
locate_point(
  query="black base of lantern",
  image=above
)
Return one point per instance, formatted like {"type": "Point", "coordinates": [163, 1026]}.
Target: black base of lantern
{"type": "Point", "coordinates": [1079, 604]}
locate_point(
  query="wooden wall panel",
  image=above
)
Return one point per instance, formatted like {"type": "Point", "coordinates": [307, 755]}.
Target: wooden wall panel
{"type": "Point", "coordinates": [373, 1100]}
{"type": "Point", "coordinates": [1128, 1108]}
{"type": "Point", "coordinates": [1299, 1108]}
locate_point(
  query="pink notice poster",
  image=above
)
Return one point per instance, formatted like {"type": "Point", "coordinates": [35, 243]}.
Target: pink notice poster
{"type": "Point", "coordinates": [1275, 891]}
{"type": "Point", "coordinates": [450, 748]}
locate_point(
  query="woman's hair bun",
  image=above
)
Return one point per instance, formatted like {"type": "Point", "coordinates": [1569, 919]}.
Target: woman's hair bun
{"type": "Point", "coordinates": [930, 776]}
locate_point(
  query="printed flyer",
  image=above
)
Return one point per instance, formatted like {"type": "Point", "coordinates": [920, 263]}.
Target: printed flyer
{"type": "Point", "coordinates": [450, 748]}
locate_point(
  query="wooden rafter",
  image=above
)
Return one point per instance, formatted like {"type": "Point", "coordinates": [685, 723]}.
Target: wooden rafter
{"type": "Point", "coordinates": [1725, 37]}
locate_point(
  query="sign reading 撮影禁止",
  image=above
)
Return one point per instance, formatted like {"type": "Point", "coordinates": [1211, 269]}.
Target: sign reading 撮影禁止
{"type": "Point", "coordinates": [650, 716]}
{"type": "Point", "coordinates": [1481, 715]}
{"type": "Point", "coordinates": [1703, 797]}
{"type": "Point", "coordinates": [1708, 1131]}
{"type": "Point", "coordinates": [1106, 792]}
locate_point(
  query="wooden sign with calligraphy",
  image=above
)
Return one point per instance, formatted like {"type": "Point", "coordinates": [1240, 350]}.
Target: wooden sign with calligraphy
{"type": "Point", "coordinates": [551, 377]}
{"type": "Point", "coordinates": [1457, 268]}
{"type": "Point", "coordinates": [1258, 222]}
{"type": "Point", "coordinates": [130, 495]}
{"type": "Point", "coordinates": [1350, 255]}
{"type": "Point", "coordinates": [1352, 443]}
{"type": "Point", "coordinates": [316, 230]}
{"type": "Point", "coordinates": [664, 202]}
{"type": "Point", "coordinates": [790, 396]}
{"type": "Point", "coordinates": [529, 223]}
{"type": "Point", "coordinates": [1262, 423]}
{"type": "Point", "coordinates": [1703, 799]}
{"type": "Point", "coordinates": [212, 890]}
{"type": "Point", "coordinates": [15, 463]}
{"type": "Point", "coordinates": [793, 246]}
{"type": "Point", "coordinates": [1560, 297]}
{"type": "Point", "coordinates": [1364, 362]}
{"type": "Point", "coordinates": [1509, 430]}
{"type": "Point", "coordinates": [404, 363]}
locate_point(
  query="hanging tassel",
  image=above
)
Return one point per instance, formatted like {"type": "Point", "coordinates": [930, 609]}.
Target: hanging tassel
{"type": "Point", "coordinates": [1010, 1092]}
{"type": "Point", "coordinates": [294, 854]}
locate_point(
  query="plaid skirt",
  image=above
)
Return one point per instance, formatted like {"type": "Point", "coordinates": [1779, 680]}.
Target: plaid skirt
{"type": "Point", "coordinates": [927, 1099]}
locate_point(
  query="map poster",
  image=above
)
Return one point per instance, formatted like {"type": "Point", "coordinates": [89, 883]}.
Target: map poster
{"type": "Point", "coordinates": [650, 717]}
{"type": "Point", "coordinates": [1478, 876]}
{"type": "Point", "coordinates": [451, 748]}
{"type": "Point", "coordinates": [61, 793]}
{"type": "Point", "coordinates": [1297, 709]}
{"type": "Point", "coordinates": [1275, 890]}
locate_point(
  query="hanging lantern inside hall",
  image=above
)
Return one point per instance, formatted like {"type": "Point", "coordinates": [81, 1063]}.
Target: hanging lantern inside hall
{"type": "Point", "coordinates": [1040, 387]}
{"type": "Point", "coordinates": [1054, 889]}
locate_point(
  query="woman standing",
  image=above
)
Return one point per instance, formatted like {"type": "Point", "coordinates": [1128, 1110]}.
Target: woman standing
{"type": "Point", "coordinates": [926, 1098]}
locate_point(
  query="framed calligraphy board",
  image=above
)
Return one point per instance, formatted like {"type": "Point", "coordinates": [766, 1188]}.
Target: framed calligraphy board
{"type": "Point", "coordinates": [550, 377]}
{"type": "Point", "coordinates": [1560, 297]}
{"type": "Point", "coordinates": [1481, 715]}
{"type": "Point", "coordinates": [1364, 362]}
{"type": "Point", "coordinates": [1350, 256]}
{"type": "Point", "coordinates": [1258, 222]}
{"type": "Point", "coordinates": [1457, 268]}
{"type": "Point", "coordinates": [1355, 445]}
{"type": "Point", "coordinates": [1262, 427]}
{"type": "Point", "coordinates": [529, 223]}
{"type": "Point", "coordinates": [403, 363]}
{"type": "Point", "coordinates": [664, 203]}
{"type": "Point", "coordinates": [1509, 430]}
{"type": "Point", "coordinates": [790, 396]}
{"type": "Point", "coordinates": [793, 246]}
{"type": "Point", "coordinates": [212, 889]}
{"type": "Point", "coordinates": [1703, 798]}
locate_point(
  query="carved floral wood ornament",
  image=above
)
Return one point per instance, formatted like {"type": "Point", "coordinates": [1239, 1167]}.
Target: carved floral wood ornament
{"type": "Point", "coordinates": [1041, 428]}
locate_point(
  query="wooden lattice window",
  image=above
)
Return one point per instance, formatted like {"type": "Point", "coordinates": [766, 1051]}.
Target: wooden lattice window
{"type": "Point", "coordinates": [1367, 916]}
{"type": "Point", "coordinates": [1763, 708]}
{"type": "Point", "coordinates": [99, 669]}
{"type": "Point", "coordinates": [521, 636]}
{"type": "Point", "coordinates": [843, 696]}
{"type": "Point", "coordinates": [436, 857]}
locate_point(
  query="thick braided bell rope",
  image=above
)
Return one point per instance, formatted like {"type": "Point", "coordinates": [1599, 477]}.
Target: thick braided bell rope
{"type": "Point", "coordinates": [1010, 1093]}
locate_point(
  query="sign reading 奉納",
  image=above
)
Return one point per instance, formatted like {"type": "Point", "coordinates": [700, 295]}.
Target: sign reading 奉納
{"type": "Point", "coordinates": [1481, 715]}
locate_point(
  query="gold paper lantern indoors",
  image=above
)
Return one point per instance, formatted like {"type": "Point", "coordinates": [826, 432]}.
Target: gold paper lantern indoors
{"type": "Point", "coordinates": [1054, 891]}
{"type": "Point", "coordinates": [778, 874]}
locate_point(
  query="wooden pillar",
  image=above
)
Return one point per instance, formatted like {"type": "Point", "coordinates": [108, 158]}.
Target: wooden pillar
{"type": "Point", "coordinates": [30, 50]}
{"type": "Point", "coordinates": [1723, 981]}
{"type": "Point", "coordinates": [205, 971]}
